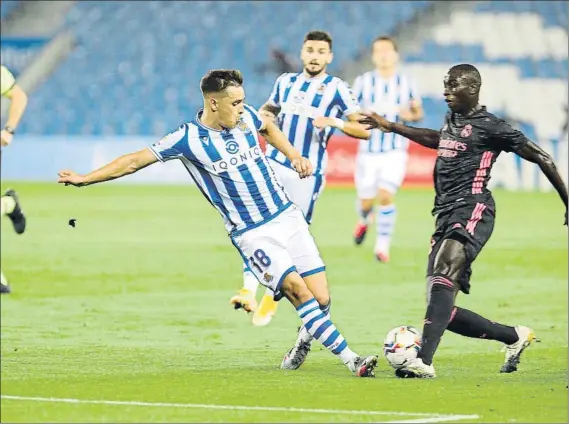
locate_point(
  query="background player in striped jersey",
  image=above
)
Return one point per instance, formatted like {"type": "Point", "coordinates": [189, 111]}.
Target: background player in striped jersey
{"type": "Point", "coordinates": [220, 150]}
{"type": "Point", "coordinates": [382, 160]}
{"type": "Point", "coordinates": [307, 106]}
{"type": "Point", "coordinates": [9, 201]}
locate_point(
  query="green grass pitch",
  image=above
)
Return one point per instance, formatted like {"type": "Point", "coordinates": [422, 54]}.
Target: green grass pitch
{"type": "Point", "coordinates": [130, 310]}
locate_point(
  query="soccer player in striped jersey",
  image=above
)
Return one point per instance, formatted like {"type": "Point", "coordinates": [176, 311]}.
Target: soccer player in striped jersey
{"type": "Point", "coordinates": [382, 159]}
{"type": "Point", "coordinates": [9, 201]}
{"type": "Point", "coordinates": [221, 152]}
{"type": "Point", "coordinates": [307, 106]}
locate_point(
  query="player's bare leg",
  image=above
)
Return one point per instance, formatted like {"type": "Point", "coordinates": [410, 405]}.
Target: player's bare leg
{"type": "Point", "coordinates": [385, 222]}
{"type": "Point", "coordinates": [266, 310]}
{"type": "Point", "coordinates": [365, 213]}
{"type": "Point", "coordinates": [321, 327]}
{"type": "Point", "coordinates": [318, 286]}
{"type": "Point", "coordinates": [245, 298]}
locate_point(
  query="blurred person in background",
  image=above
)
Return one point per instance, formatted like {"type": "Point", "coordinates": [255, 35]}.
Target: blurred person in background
{"type": "Point", "coordinates": [9, 201]}
{"type": "Point", "coordinates": [382, 159]}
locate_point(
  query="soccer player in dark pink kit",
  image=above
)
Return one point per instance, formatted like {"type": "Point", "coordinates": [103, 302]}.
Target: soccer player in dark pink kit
{"type": "Point", "coordinates": [468, 144]}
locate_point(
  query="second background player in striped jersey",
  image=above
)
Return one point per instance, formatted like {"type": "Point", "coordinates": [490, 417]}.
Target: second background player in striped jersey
{"type": "Point", "coordinates": [382, 159]}
{"type": "Point", "coordinates": [307, 106]}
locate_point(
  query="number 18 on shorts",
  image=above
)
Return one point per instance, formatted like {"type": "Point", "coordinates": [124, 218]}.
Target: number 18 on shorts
{"type": "Point", "coordinates": [279, 247]}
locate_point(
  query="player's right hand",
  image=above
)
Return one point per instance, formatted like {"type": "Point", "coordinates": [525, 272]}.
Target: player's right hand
{"type": "Point", "coordinates": [69, 177]}
{"type": "Point", "coordinates": [374, 121]}
{"type": "Point", "coordinates": [303, 166]}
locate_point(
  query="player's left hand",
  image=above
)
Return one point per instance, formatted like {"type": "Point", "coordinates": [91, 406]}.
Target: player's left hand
{"type": "Point", "coordinates": [323, 122]}
{"type": "Point", "coordinates": [6, 138]}
{"type": "Point", "coordinates": [302, 166]}
{"type": "Point", "coordinates": [406, 115]}
{"type": "Point", "coordinates": [69, 177]}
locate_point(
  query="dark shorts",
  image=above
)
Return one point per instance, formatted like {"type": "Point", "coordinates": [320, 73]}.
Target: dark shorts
{"type": "Point", "coordinates": [471, 224]}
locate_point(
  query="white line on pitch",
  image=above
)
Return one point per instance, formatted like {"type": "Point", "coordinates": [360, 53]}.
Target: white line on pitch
{"type": "Point", "coordinates": [438, 419]}
{"type": "Point", "coordinates": [430, 417]}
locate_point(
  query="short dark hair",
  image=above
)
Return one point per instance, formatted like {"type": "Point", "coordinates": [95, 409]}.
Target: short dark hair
{"type": "Point", "coordinates": [218, 80]}
{"type": "Point", "coordinates": [386, 38]}
{"type": "Point", "coordinates": [469, 71]}
{"type": "Point", "coordinates": [319, 36]}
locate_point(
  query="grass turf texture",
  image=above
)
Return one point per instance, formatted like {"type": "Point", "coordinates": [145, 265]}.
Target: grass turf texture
{"type": "Point", "coordinates": [132, 305]}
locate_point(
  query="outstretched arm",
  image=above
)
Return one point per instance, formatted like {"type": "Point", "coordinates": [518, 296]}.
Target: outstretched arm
{"type": "Point", "coordinates": [121, 166]}
{"type": "Point", "coordinates": [535, 154]}
{"type": "Point", "coordinates": [352, 127]}
{"type": "Point", "coordinates": [424, 136]}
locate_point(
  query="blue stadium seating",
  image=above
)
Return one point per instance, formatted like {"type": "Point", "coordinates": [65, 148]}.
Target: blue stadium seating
{"type": "Point", "coordinates": [7, 7]}
{"type": "Point", "coordinates": [137, 65]}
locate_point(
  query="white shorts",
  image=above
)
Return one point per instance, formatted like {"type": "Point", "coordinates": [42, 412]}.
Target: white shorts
{"type": "Point", "coordinates": [376, 171]}
{"type": "Point", "coordinates": [302, 192]}
{"type": "Point", "coordinates": [279, 247]}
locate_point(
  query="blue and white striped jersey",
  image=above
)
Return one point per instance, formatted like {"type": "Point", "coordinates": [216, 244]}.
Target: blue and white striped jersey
{"type": "Point", "coordinates": [229, 168]}
{"type": "Point", "coordinates": [386, 97]}
{"type": "Point", "coordinates": [301, 100]}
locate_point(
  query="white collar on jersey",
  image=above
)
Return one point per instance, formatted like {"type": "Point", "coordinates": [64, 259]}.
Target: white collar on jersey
{"type": "Point", "coordinates": [204, 126]}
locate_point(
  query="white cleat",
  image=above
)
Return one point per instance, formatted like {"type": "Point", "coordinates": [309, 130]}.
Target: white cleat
{"type": "Point", "coordinates": [514, 351]}
{"type": "Point", "coordinates": [363, 366]}
{"type": "Point", "coordinates": [416, 369]}
{"type": "Point", "coordinates": [295, 357]}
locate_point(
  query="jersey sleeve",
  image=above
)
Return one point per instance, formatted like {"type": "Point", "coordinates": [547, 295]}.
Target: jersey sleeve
{"type": "Point", "coordinates": [506, 137]}
{"type": "Point", "coordinates": [259, 124]}
{"type": "Point", "coordinates": [171, 145]}
{"type": "Point", "coordinates": [275, 97]}
{"type": "Point", "coordinates": [414, 93]}
{"type": "Point", "coordinates": [7, 80]}
{"type": "Point", "coordinates": [357, 88]}
{"type": "Point", "coordinates": [346, 100]}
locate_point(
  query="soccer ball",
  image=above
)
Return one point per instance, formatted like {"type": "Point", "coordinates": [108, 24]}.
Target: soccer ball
{"type": "Point", "coordinates": [401, 345]}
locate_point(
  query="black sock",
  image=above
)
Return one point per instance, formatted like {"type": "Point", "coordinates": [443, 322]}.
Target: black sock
{"type": "Point", "coordinates": [438, 315]}
{"type": "Point", "coordinates": [469, 324]}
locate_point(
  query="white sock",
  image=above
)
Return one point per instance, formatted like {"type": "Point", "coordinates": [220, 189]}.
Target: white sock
{"type": "Point", "coordinates": [386, 216]}
{"type": "Point", "coordinates": [3, 279]}
{"type": "Point", "coordinates": [364, 216]}
{"type": "Point", "coordinates": [8, 204]}
{"type": "Point", "coordinates": [322, 329]}
{"type": "Point", "coordinates": [250, 282]}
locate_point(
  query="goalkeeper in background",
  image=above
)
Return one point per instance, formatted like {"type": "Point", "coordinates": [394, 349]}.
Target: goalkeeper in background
{"type": "Point", "coordinates": [10, 203]}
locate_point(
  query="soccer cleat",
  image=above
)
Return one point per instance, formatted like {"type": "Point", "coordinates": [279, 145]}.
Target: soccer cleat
{"type": "Point", "coordinates": [363, 367]}
{"type": "Point", "coordinates": [295, 357]}
{"type": "Point", "coordinates": [382, 257]}
{"type": "Point", "coordinates": [416, 369]}
{"type": "Point", "coordinates": [267, 309]}
{"type": "Point", "coordinates": [515, 350]}
{"type": "Point", "coordinates": [360, 233]}
{"type": "Point", "coordinates": [4, 288]}
{"type": "Point", "coordinates": [244, 299]}
{"type": "Point", "coordinates": [17, 215]}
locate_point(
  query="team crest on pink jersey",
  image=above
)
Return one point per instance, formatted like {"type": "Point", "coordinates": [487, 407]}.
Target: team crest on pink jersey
{"type": "Point", "coordinates": [466, 131]}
